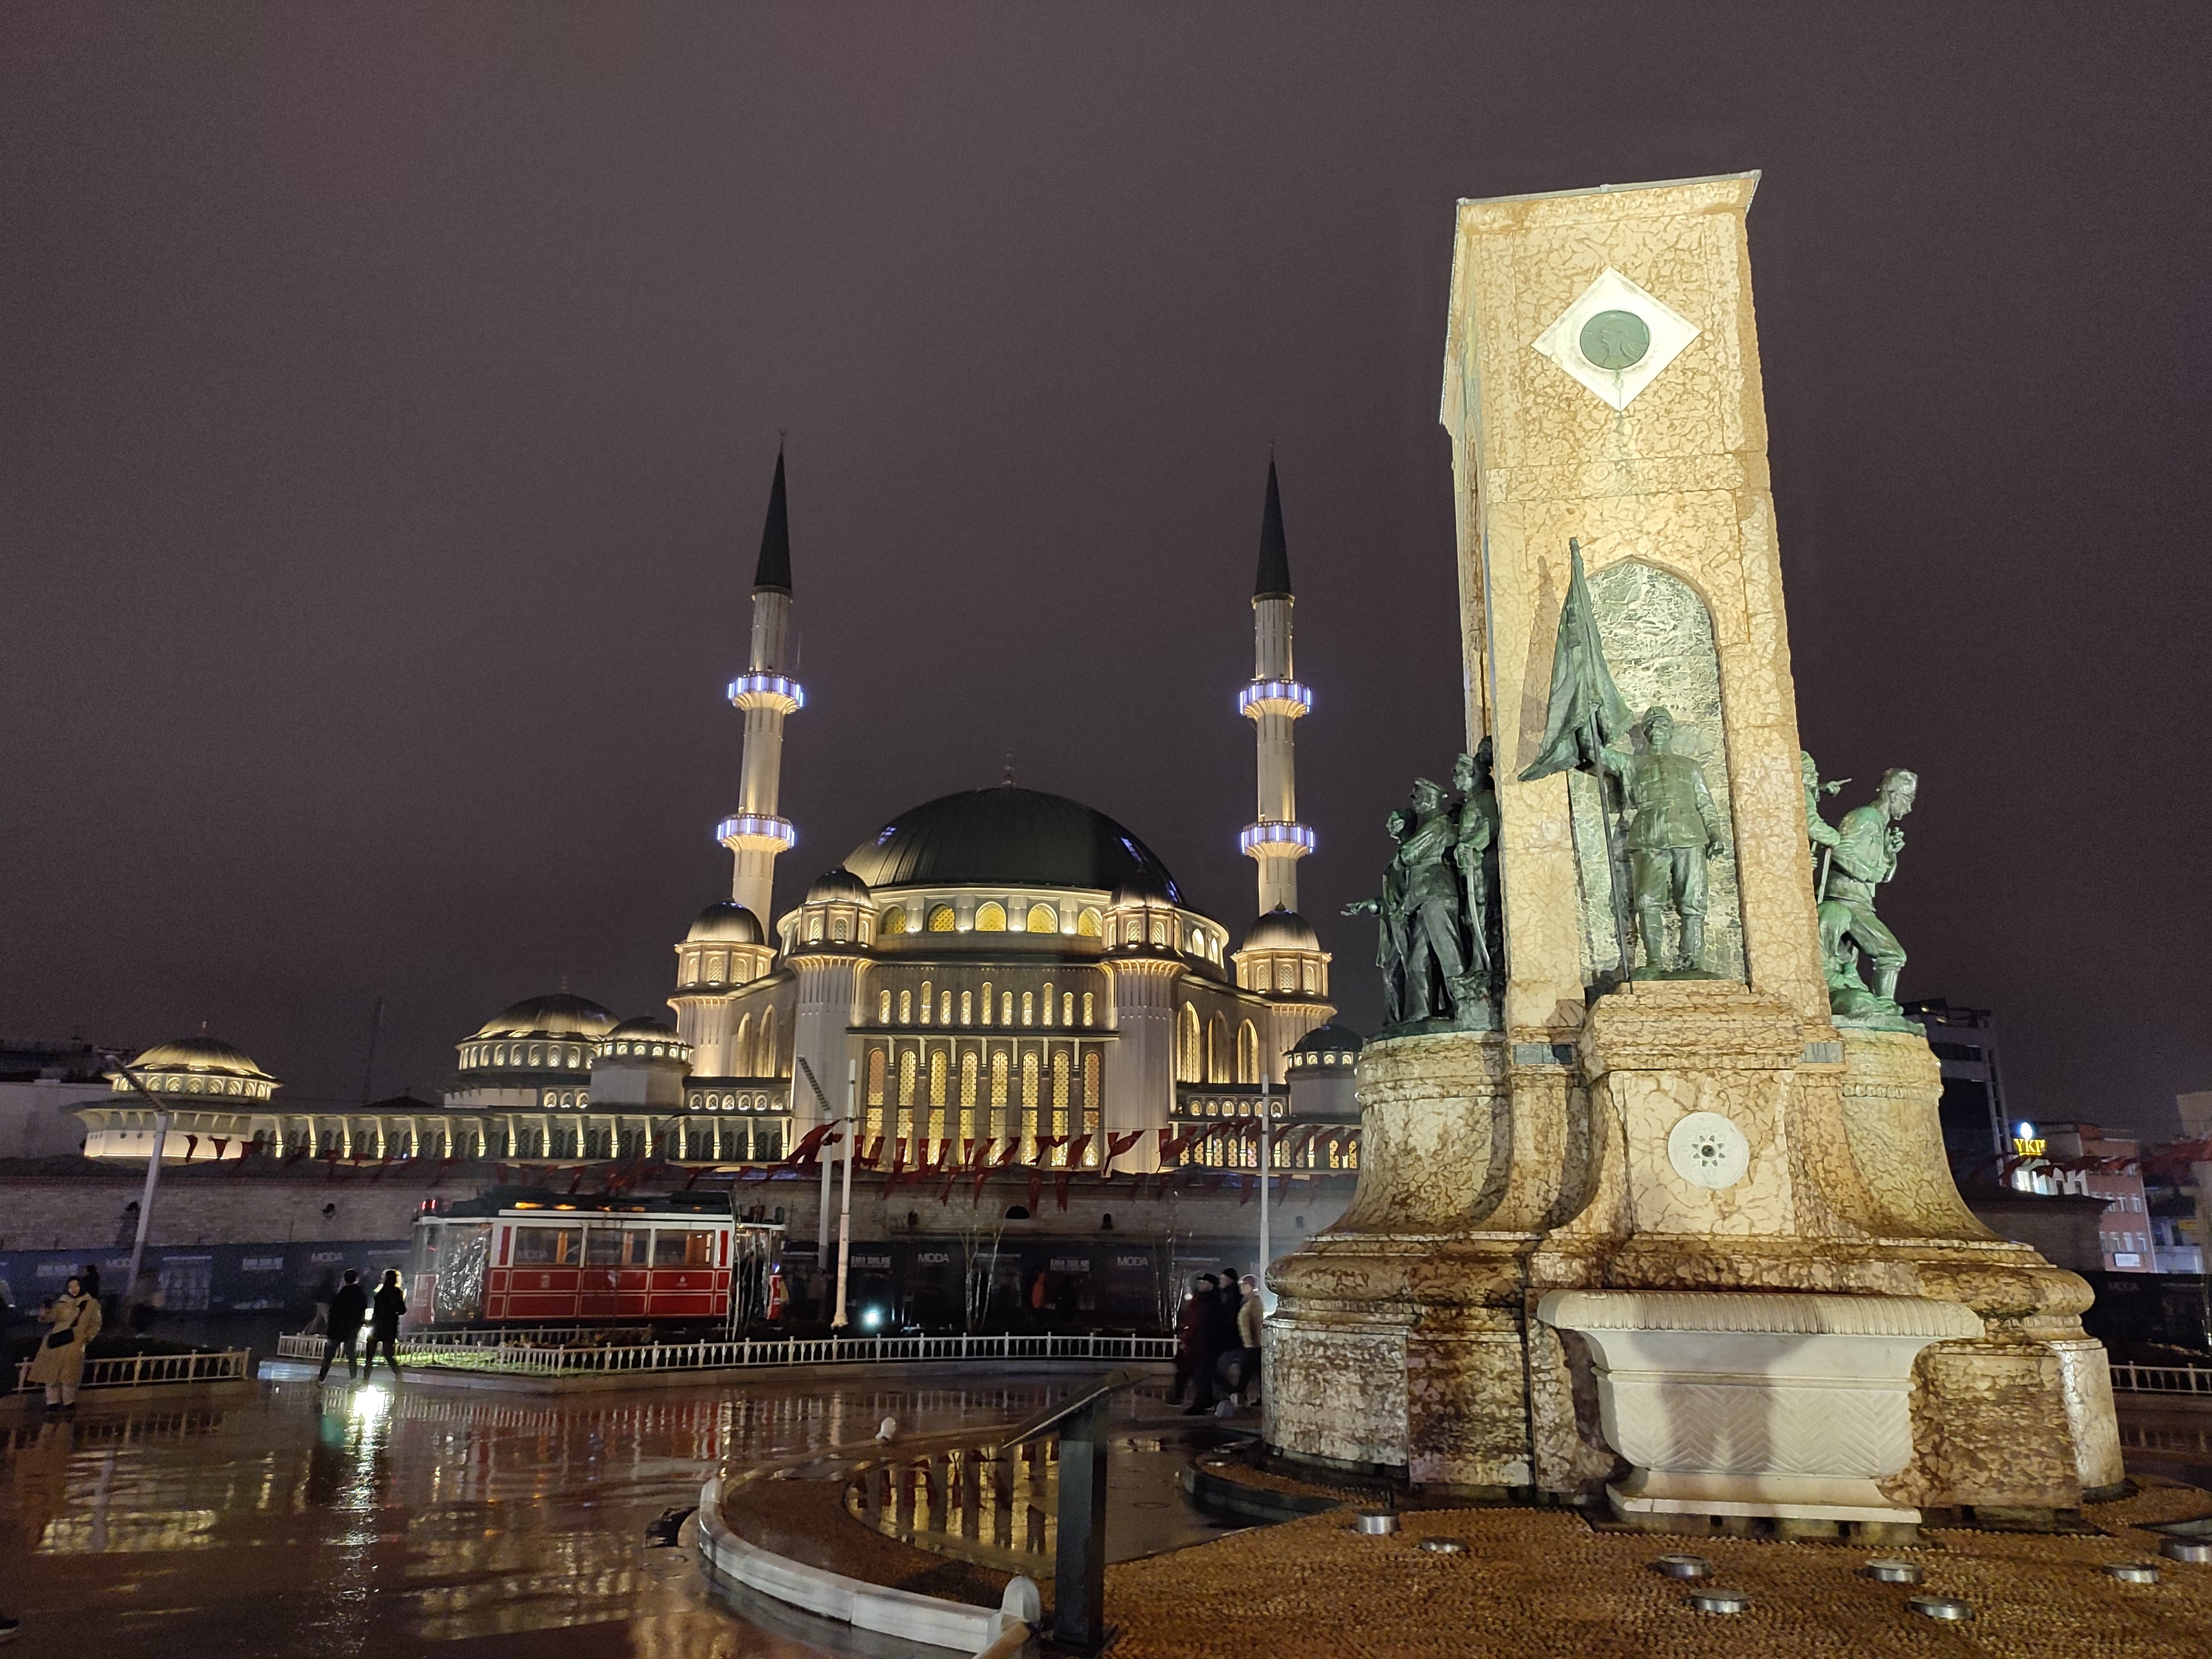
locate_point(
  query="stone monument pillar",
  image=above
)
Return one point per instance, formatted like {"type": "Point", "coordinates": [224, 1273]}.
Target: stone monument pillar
{"type": "Point", "coordinates": [1670, 1237]}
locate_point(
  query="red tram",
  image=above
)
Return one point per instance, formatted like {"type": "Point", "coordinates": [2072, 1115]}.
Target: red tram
{"type": "Point", "coordinates": [502, 1260]}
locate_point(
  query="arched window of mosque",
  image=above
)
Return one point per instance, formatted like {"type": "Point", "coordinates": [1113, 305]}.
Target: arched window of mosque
{"type": "Point", "coordinates": [906, 1007]}
{"type": "Point", "coordinates": [536, 1053]}
{"type": "Point", "coordinates": [1029, 1081]}
{"type": "Point", "coordinates": [967, 1079]}
{"type": "Point", "coordinates": [840, 928]}
{"type": "Point", "coordinates": [991, 917]}
{"type": "Point", "coordinates": [499, 1054]}
{"type": "Point", "coordinates": [1092, 1085]}
{"type": "Point", "coordinates": [1029, 1008]}
{"type": "Point", "coordinates": [1059, 1101]}
{"type": "Point", "coordinates": [906, 1078]}
{"type": "Point", "coordinates": [814, 929]}
{"type": "Point", "coordinates": [1047, 1002]}
{"type": "Point", "coordinates": [1043, 918]}
{"type": "Point", "coordinates": [884, 1009]}
{"type": "Point", "coordinates": [1313, 976]}
{"type": "Point", "coordinates": [928, 1002]}
{"type": "Point", "coordinates": [987, 1002]}
{"type": "Point", "coordinates": [941, 920]}
{"type": "Point", "coordinates": [767, 1062]}
{"type": "Point", "coordinates": [1086, 923]}
{"type": "Point", "coordinates": [999, 1079]}
{"type": "Point", "coordinates": [945, 1008]}
{"type": "Point", "coordinates": [967, 1007]}
{"type": "Point", "coordinates": [893, 921]}
{"type": "Point", "coordinates": [718, 967]}
{"type": "Point", "coordinates": [1187, 1050]}
{"type": "Point", "coordinates": [741, 1051]}
{"type": "Point", "coordinates": [1248, 1053]}
{"type": "Point", "coordinates": [1217, 1049]}
{"type": "Point", "coordinates": [1067, 1007]}
{"type": "Point", "coordinates": [937, 1064]}
{"type": "Point", "coordinates": [1160, 931]}
{"type": "Point", "coordinates": [1086, 1007]}
{"type": "Point", "coordinates": [875, 1076]}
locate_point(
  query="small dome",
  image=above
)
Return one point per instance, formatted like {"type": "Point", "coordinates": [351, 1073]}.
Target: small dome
{"type": "Point", "coordinates": [726, 923]}
{"type": "Point", "coordinates": [646, 1026]}
{"type": "Point", "coordinates": [1330, 1039]}
{"type": "Point", "coordinates": [1282, 930]}
{"type": "Point", "coordinates": [202, 1055]}
{"type": "Point", "coordinates": [559, 1015]}
{"type": "Point", "coordinates": [838, 886]}
{"type": "Point", "coordinates": [1142, 888]}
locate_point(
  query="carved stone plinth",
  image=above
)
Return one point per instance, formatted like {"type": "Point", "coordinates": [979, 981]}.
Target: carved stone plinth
{"type": "Point", "coordinates": [1749, 1403]}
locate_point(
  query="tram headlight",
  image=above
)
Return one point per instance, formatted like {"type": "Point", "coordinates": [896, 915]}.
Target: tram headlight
{"type": "Point", "coordinates": [872, 1317]}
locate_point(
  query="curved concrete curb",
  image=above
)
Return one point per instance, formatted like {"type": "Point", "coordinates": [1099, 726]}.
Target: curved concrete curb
{"type": "Point", "coordinates": [852, 1601]}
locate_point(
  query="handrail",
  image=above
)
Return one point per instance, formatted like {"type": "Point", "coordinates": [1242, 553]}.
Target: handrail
{"type": "Point", "coordinates": [145, 1369]}
{"type": "Point", "coordinates": [2131, 1378]}
{"type": "Point", "coordinates": [536, 1356]}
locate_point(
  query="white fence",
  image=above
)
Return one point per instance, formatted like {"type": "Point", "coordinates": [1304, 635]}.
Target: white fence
{"type": "Point", "coordinates": [143, 1370]}
{"type": "Point", "coordinates": [2163, 1379]}
{"type": "Point", "coordinates": [541, 1357]}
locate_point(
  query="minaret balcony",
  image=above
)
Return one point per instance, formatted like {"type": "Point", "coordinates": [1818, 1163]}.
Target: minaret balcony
{"type": "Point", "coordinates": [1285, 697]}
{"type": "Point", "coordinates": [1270, 839]}
{"type": "Point", "coordinates": [784, 695]}
{"type": "Point", "coordinates": [756, 832]}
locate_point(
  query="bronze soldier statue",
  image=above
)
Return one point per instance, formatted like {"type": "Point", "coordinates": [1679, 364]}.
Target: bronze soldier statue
{"type": "Point", "coordinates": [1474, 850]}
{"type": "Point", "coordinates": [1864, 856]}
{"type": "Point", "coordinates": [1674, 827]}
{"type": "Point", "coordinates": [1390, 914]}
{"type": "Point", "coordinates": [1436, 967]}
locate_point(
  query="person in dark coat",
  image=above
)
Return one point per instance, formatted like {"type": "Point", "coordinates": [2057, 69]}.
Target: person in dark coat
{"type": "Point", "coordinates": [384, 1318]}
{"type": "Point", "coordinates": [1186, 1335]}
{"type": "Point", "coordinates": [1216, 1334]}
{"type": "Point", "coordinates": [348, 1307]}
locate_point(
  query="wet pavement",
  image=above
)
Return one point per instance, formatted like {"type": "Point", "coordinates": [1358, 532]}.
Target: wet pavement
{"type": "Point", "coordinates": [354, 1519]}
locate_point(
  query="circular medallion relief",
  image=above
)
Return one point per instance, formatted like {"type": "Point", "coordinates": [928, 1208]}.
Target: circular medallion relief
{"type": "Point", "coordinates": [1616, 340]}
{"type": "Point", "coordinates": [1708, 1149]}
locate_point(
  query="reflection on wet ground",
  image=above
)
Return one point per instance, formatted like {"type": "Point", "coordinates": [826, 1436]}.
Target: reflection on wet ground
{"type": "Point", "coordinates": [352, 1519]}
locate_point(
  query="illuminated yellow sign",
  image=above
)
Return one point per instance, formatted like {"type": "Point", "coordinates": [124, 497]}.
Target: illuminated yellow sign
{"type": "Point", "coordinates": [2028, 1148]}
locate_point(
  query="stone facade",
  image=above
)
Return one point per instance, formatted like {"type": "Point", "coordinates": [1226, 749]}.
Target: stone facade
{"type": "Point", "coordinates": [1713, 1135]}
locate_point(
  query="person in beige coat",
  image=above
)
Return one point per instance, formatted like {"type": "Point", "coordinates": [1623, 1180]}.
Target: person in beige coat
{"type": "Point", "coordinates": [75, 1317]}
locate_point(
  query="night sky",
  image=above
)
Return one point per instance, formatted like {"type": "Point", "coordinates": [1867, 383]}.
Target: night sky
{"type": "Point", "coordinates": [390, 396]}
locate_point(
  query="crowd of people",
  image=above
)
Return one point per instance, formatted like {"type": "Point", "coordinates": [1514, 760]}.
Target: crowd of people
{"type": "Point", "coordinates": [1218, 1345]}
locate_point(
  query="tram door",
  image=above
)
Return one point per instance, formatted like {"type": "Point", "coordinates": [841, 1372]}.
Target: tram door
{"type": "Point", "coordinates": [601, 1296]}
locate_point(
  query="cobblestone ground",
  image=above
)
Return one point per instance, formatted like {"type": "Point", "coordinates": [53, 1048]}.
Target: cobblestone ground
{"type": "Point", "coordinates": [1535, 1583]}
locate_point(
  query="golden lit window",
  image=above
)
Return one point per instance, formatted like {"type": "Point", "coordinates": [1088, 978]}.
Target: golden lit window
{"type": "Point", "coordinates": [928, 1004]}
{"type": "Point", "coordinates": [991, 917]}
{"type": "Point", "coordinates": [1029, 1009]}
{"type": "Point", "coordinates": [1043, 918]}
{"type": "Point", "coordinates": [893, 921]}
{"type": "Point", "coordinates": [1086, 1007]}
{"type": "Point", "coordinates": [987, 1002]}
{"type": "Point", "coordinates": [1086, 923]}
{"type": "Point", "coordinates": [941, 920]}
{"type": "Point", "coordinates": [1067, 1007]}
{"type": "Point", "coordinates": [906, 1007]}
{"type": "Point", "coordinates": [967, 1007]}
{"type": "Point", "coordinates": [884, 1009]}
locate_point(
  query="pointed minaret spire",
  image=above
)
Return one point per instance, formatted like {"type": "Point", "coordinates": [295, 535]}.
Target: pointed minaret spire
{"type": "Point", "coordinates": [768, 693]}
{"type": "Point", "coordinates": [1273, 701]}
{"type": "Point", "coordinates": [773, 573]}
{"type": "Point", "coordinates": [1274, 582]}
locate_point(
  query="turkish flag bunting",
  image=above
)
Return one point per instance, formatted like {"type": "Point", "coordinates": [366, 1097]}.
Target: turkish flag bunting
{"type": "Point", "coordinates": [1060, 1185]}
{"type": "Point", "coordinates": [1076, 1150]}
{"type": "Point", "coordinates": [1036, 1187]}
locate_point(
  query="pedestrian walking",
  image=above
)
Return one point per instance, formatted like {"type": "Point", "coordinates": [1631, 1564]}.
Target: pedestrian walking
{"type": "Point", "coordinates": [1186, 1340]}
{"type": "Point", "coordinates": [59, 1363]}
{"type": "Point", "coordinates": [384, 1323]}
{"type": "Point", "coordinates": [1249, 1315]}
{"type": "Point", "coordinates": [348, 1307]}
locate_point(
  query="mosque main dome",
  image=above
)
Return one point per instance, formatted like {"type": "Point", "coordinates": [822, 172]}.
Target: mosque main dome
{"type": "Point", "coordinates": [204, 1055]}
{"type": "Point", "coordinates": [1007, 837]}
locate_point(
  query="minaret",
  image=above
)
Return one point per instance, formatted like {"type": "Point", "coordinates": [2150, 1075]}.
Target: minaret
{"type": "Point", "coordinates": [1273, 700]}
{"type": "Point", "coordinates": [753, 832]}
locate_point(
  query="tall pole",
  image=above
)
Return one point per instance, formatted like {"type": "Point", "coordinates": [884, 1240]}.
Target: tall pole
{"type": "Point", "coordinates": [153, 1175]}
{"type": "Point", "coordinates": [845, 1208]}
{"type": "Point", "coordinates": [1267, 1180]}
{"type": "Point", "coordinates": [368, 1067]}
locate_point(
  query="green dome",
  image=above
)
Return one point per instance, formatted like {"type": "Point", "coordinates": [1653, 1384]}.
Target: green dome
{"type": "Point", "coordinates": [1007, 837]}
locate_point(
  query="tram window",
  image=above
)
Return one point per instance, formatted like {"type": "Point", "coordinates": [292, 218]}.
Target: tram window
{"type": "Point", "coordinates": [602, 1247]}
{"type": "Point", "coordinates": [671, 1249]}
{"type": "Point", "coordinates": [545, 1247]}
{"type": "Point", "coordinates": [637, 1242]}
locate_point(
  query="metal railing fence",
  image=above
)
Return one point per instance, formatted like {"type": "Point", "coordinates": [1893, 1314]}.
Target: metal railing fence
{"type": "Point", "coordinates": [2131, 1379]}
{"type": "Point", "coordinates": [538, 1357]}
{"type": "Point", "coordinates": [229, 1365]}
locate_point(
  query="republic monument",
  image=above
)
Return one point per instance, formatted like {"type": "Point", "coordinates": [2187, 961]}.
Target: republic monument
{"type": "Point", "coordinates": [1654, 1209]}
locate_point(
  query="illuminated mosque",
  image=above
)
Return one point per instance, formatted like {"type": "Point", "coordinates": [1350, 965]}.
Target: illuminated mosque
{"type": "Point", "coordinates": [1000, 975]}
